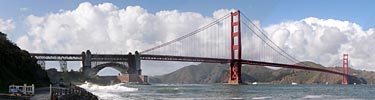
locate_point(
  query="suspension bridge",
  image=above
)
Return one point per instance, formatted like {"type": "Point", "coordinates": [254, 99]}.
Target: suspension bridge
{"type": "Point", "coordinates": [233, 39]}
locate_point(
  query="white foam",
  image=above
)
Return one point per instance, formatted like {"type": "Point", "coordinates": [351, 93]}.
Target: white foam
{"type": "Point", "coordinates": [260, 98]}
{"type": "Point", "coordinates": [181, 84]}
{"type": "Point", "coordinates": [313, 96]}
{"type": "Point", "coordinates": [110, 92]}
{"type": "Point", "coordinates": [238, 98]}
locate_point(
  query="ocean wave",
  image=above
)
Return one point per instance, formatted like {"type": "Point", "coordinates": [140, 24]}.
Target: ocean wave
{"type": "Point", "coordinates": [260, 98]}
{"type": "Point", "coordinates": [110, 92]}
{"type": "Point", "coordinates": [314, 96]}
{"type": "Point", "coordinates": [182, 84]}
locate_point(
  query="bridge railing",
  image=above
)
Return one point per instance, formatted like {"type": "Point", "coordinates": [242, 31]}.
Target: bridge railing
{"type": "Point", "coordinates": [24, 89]}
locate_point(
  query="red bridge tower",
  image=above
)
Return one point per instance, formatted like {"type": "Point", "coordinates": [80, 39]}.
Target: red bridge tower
{"type": "Point", "coordinates": [345, 68]}
{"type": "Point", "coordinates": [236, 62]}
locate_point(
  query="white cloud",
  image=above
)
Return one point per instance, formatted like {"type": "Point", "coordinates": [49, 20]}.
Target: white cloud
{"type": "Point", "coordinates": [106, 28]}
{"type": "Point", "coordinates": [6, 25]}
{"type": "Point", "coordinates": [325, 40]}
{"type": "Point", "coordinates": [95, 26]}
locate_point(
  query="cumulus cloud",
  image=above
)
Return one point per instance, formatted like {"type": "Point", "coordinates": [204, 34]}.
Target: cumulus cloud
{"type": "Point", "coordinates": [95, 26]}
{"type": "Point", "coordinates": [106, 28]}
{"type": "Point", "coordinates": [325, 40]}
{"type": "Point", "coordinates": [6, 25]}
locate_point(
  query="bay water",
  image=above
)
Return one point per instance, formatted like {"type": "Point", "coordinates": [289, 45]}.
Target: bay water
{"type": "Point", "coordinates": [231, 92]}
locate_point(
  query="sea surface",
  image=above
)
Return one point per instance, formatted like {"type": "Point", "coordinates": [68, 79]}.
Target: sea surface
{"type": "Point", "coordinates": [232, 92]}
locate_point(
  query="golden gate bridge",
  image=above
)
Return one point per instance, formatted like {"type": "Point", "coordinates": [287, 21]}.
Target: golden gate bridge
{"type": "Point", "coordinates": [233, 39]}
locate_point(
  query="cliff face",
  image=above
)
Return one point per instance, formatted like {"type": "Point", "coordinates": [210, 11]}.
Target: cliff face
{"type": "Point", "coordinates": [18, 67]}
{"type": "Point", "coordinates": [218, 73]}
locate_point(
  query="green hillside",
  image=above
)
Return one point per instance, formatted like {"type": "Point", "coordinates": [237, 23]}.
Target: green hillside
{"type": "Point", "coordinates": [17, 66]}
{"type": "Point", "coordinates": [218, 73]}
{"type": "Point", "coordinates": [202, 73]}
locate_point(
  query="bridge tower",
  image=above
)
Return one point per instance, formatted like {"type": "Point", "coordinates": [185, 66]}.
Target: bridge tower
{"type": "Point", "coordinates": [345, 68]}
{"type": "Point", "coordinates": [134, 62]}
{"type": "Point", "coordinates": [86, 64]}
{"type": "Point", "coordinates": [235, 52]}
{"type": "Point", "coordinates": [63, 66]}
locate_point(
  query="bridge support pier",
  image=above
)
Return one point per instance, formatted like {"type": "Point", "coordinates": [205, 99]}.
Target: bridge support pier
{"type": "Point", "coordinates": [134, 62]}
{"type": "Point", "coordinates": [86, 65]}
{"type": "Point", "coordinates": [235, 73]}
{"type": "Point", "coordinates": [134, 74]}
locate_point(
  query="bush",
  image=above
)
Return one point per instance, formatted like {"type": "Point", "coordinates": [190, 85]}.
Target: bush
{"type": "Point", "coordinates": [18, 67]}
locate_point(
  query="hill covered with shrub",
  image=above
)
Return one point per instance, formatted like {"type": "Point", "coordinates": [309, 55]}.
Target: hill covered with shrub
{"type": "Point", "coordinates": [18, 67]}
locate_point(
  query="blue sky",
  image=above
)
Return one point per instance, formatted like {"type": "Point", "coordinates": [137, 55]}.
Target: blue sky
{"type": "Point", "coordinates": [267, 11]}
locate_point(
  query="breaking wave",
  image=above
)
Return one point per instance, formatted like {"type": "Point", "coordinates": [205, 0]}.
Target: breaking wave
{"type": "Point", "coordinates": [110, 92]}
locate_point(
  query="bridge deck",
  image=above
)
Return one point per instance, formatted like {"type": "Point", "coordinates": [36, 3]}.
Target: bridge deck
{"type": "Point", "coordinates": [247, 62]}
{"type": "Point", "coordinates": [78, 57]}
{"type": "Point", "coordinates": [122, 58]}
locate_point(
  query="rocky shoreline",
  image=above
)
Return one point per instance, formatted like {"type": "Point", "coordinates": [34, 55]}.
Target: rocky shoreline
{"type": "Point", "coordinates": [72, 92]}
{"type": "Point", "coordinates": [58, 93]}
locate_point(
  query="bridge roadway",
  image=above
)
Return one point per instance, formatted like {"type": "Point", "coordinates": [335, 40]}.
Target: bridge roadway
{"type": "Point", "coordinates": [119, 57]}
